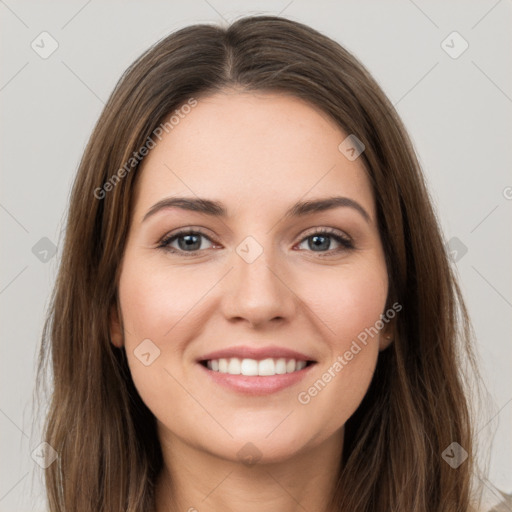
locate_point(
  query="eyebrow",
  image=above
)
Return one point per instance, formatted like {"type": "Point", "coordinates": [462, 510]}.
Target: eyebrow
{"type": "Point", "coordinates": [216, 209]}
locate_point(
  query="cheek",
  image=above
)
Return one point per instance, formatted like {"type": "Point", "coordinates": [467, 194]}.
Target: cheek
{"type": "Point", "coordinates": [348, 301]}
{"type": "Point", "coordinates": [157, 308]}
{"type": "Point", "coordinates": [350, 304]}
{"type": "Point", "coordinates": [155, 299]}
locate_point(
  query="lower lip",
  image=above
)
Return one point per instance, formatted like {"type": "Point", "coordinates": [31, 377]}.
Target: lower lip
{"type": "Point", "coordinates": [257, 385]}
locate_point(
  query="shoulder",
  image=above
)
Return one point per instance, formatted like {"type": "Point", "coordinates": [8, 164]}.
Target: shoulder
{"type": "Point", "coordinates": [495, 500]}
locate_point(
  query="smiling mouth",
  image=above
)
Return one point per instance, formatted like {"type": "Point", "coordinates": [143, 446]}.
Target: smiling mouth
{"type": "Point", "coordinates": [252, 367]}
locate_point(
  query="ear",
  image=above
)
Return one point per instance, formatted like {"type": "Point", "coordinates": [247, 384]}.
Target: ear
{"type": "Point", "coordinates": [116, 330]}
{"type": "Point", "coordinates": [387, 335]}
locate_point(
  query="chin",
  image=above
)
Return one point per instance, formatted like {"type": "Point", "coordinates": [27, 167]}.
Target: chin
{"type": "Point", "coordinates": [251, 445]}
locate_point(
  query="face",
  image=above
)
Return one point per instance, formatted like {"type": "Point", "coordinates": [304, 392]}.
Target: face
{"type": "Point", "coordinates": [204, 295]}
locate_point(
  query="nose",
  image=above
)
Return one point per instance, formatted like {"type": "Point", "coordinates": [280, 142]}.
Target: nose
{"type": "Point", "coordinates": [258, 292]}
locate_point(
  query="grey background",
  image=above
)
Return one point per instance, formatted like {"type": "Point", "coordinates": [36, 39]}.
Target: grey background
{"type": "Point", "coordinates": [458, 112]}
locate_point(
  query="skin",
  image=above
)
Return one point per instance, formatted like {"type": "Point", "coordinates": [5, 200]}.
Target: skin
{"type": "Point", "coordinates": [258, 154]}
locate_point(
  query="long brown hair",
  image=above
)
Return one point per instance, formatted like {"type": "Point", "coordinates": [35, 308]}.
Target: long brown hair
{"type": "Point", "coordinates": [416, 406]}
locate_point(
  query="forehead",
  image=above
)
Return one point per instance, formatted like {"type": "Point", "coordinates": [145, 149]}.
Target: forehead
{"type": "Point", "coordinates": [252, 149]}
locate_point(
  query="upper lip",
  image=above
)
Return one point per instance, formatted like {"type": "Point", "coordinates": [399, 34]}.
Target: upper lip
{"type": "Point", "coordinates": [257, 353]}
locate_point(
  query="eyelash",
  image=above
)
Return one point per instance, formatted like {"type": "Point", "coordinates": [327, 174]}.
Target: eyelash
{"type": "Point", "coordinates": [345, 242]}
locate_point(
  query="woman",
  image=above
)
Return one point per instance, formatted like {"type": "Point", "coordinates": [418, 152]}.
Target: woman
{"type": "Point", "coordinates": [254, 308]}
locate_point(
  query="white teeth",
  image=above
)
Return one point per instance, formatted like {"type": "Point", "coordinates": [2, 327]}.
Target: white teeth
{"type": "Point", "coordinates": [281, 366]}
{"type": "Point", "coordinates": [223, 365]}
{"type": "Point", "coordinates": [249, 367]}
{"type": "Point", "coordinates": [266, 367]}
{"type": "Point", "coordinates": [252, 367]}
{"type": "Point", "coordinates": [234, 366]}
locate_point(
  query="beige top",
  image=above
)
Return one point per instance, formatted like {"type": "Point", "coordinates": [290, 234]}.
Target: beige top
{"type": "Point", "coordinates": [495, 500]}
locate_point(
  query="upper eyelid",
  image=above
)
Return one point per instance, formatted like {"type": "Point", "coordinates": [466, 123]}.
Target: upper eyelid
{"type": "Point", "coordinates": [186, 231]}
{"type": "Point", "coordinates": [326, 230]}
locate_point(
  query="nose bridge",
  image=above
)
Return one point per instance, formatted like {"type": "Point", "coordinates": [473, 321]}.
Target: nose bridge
{"type": "Point", "coordinates": [257, 289]}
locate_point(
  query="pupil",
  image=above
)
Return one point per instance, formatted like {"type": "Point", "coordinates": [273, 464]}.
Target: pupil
{"type": "Point", "coordinates": [324, 245]}
{"type": "Point", "coordinates": [191, 242]}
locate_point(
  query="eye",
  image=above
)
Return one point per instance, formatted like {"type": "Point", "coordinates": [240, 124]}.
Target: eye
{"type": "Point", "coordinates": [188, 240]}
{"type": "Point", "coordinates": [322, 239]}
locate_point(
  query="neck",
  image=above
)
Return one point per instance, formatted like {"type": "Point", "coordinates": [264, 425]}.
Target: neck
{"type": "Point", "coordinates": [193, 480]}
